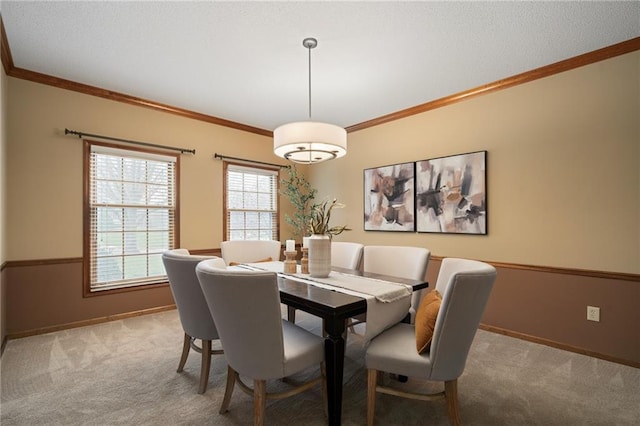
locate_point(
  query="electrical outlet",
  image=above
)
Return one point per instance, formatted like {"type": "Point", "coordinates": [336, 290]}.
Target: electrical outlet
{"type": "Point", "coordinates": [593, 313]}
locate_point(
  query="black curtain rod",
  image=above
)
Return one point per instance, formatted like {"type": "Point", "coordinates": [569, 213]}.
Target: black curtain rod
{"type": "Point", "coordinates": [224, 157]}
{"type": "Point", "coordinates": [171, 148]}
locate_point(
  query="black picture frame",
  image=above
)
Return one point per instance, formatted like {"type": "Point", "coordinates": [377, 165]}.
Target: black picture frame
{"type": "Point", "coordinates": [389, 197]}
{"type": "Point", "coordinates": [451, 194]}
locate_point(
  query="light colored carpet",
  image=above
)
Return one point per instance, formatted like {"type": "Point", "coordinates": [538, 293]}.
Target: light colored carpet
{"type": "Point", "coordinates": [124, 373]}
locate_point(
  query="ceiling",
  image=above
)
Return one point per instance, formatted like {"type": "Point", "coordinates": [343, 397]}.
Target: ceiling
{"type": "Point", "coordinates": [244, 61]}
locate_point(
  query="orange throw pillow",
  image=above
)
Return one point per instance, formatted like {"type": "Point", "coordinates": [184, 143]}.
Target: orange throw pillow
{"type": "Point", "coordinates": [426, 320]}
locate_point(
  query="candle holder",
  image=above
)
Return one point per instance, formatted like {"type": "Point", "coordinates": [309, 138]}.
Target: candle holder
{"type": "Point", "coordinates": [304, 262]}
{"type": "Point", "coordinates": [290, 265]}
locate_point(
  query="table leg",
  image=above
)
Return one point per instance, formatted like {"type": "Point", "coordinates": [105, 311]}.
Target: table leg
{"type": "Point", "coordinates": [406, 320]}
{"type": "Point", "coordinates": [334, 359]}
{"type": "Point", "coordinates": [291, 314]}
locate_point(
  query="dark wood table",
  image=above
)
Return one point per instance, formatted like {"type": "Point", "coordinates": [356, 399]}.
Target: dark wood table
{"type": "Point", "coordinates": [334, 308]}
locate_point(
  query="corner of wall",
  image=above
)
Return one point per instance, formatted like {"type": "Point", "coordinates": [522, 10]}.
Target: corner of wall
{"type": "Point", "coordinates": [3, 137]}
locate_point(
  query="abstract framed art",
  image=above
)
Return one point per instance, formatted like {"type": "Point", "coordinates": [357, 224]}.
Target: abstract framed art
{"type": "Point", "coordinates": [389, 195]}
{"type": "Point", "coordinates": [451, 194]}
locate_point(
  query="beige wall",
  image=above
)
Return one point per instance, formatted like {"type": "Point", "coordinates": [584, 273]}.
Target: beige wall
{"type": "Point", "coordinates": [44, 206]}
{"type": "Point", "coordinates": [563, 169]}
{"type": "Point", "coordinates": [563, 161]}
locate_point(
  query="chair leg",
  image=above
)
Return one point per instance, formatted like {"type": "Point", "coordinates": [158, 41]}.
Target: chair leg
{"type": "Point", "coordinates": [345, 333]}
{"type": "Point", "coordinates": [451, 395]}
{"type": "Point", "coordinates": [205, 365]}
{"type": "Point", "coordinates": [259, 401]}
{"type": "Point", "coordinates": [186, 346]}
{"type": "Point", "coordinates": [231, 381]}
{"type": "Point", "coordinates": [350, 326]}
{"type": "Point", "coordinates": [372, 382]}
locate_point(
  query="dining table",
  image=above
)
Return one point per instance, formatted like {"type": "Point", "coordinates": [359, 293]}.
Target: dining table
{"type": "Point", "coordinates": [334, 306]}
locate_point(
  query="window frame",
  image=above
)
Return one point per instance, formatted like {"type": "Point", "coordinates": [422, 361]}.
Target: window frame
{"type": "Point", "coordinates": [225, 215]}
{"type": "Point", "coordinates": [87, 236]}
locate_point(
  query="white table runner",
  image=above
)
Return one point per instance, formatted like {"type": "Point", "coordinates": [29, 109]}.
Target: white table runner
{"type": "Point", "coordinates": [387, 302]}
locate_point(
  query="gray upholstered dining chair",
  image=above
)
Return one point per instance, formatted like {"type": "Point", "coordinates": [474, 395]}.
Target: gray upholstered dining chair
{"type": "Point", "coordinates": [249, 251]}
{"type": "Point", "coordinates": [258, 343]}
{"type": "Point", "coordinates": [398, 261]}
{"type": "Point", "coordinates": [193, 311]}
{"type": "Point", "coordinates": [346, 254]}
{"type": "Point", "coordinates": [436, 347]}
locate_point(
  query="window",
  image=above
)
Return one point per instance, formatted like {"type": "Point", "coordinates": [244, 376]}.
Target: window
{"type": "Point", "coordinates": [130, 216]}
{"type": "Point", "coordinates": [251, 203]}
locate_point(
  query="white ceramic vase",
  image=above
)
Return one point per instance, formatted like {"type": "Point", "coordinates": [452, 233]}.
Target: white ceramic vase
{"type": "Point", "coordinates": [319, 256]}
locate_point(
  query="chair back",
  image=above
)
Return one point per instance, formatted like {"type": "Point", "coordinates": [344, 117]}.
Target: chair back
{"type": "Point", "coordinates": [245, 306]}
{"type": "Point", "coordinates": [346, 255]}
{"type": "Point", "coordinates": [465, 286]}
{"type": "Point", "coordinates": [193, 311]}
{"type": "Point", "coordinates": [398, 261]}
{"type": "Point", "coordinates": [248, 251]}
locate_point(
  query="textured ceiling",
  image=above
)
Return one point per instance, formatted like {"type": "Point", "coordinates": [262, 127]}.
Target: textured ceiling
{"type": "Point", "coordinates": [244, 61]}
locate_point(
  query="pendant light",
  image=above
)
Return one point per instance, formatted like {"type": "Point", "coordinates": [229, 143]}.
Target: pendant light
{"type": "Point", "coordinates": [309, 142]}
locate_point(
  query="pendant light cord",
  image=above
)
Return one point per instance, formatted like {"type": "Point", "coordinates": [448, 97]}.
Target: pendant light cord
{"type": "Point", "coordinates": [309, 49]}
{"type": "Point", "coordinates": [310, 43]}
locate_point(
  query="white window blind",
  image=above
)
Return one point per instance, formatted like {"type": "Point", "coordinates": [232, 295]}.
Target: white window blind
{"type": "Point", "coordinates": [132, 213]}
{"type": "Point", "coordinates": [251, 203]}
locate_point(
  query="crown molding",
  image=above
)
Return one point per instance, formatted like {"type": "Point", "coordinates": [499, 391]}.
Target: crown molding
{"type": "Point", "coordinates": [525, 77]}
{"type": "Point", "coordinates": [545, 71]}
